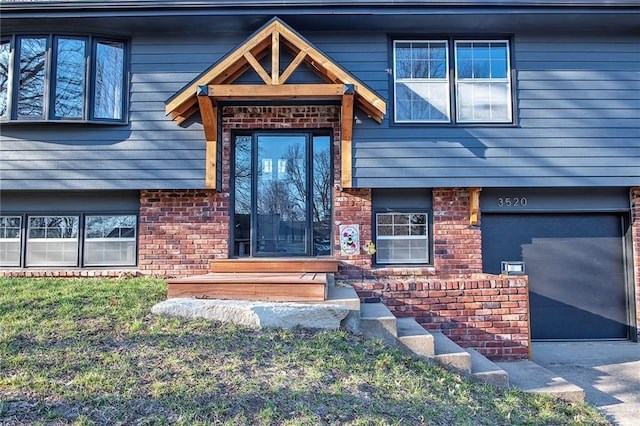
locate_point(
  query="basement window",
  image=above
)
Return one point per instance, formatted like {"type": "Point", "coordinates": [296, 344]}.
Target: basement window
{"type": "Point", "coordinates": [10, 229]}
{"type": "Point", "coordinates": [52, 241]}
{"type": "Point", "coordinates": [110, 241]}
{"type": "Point", "coordinates": [402, 238]}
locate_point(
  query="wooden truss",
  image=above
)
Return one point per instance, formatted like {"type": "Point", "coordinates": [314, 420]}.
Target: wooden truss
{"type": "Point", "coordinates": [217, 84]}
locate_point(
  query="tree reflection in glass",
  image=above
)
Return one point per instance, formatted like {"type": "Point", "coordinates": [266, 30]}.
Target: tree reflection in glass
{"type": "Point", "coordinates": [33, 52]}
{"type": "Point", "coordinates": [109, 74]}
{"type": "Point", "coordinates": [5, 53]}
{"type": "Point", "coordinates": [70, 78]}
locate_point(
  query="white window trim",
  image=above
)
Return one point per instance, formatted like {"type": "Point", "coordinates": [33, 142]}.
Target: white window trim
{"type": "Point", "coordinates": [453, 97]}
{"type": "Point", "coordinates": [507, 80]}
{"type": "Point", "coordinates": [421, 80]}
{"type": "Point", "coordinates": [426, 237]}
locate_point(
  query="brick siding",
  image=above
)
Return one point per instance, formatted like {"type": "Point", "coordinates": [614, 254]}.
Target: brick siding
{"type": "Point", "coordinates": [487, 313]}
{"type": "Point", "coordinates": [180, 231]}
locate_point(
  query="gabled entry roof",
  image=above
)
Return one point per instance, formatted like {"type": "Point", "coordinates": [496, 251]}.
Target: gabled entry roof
{"type": "Point", "coordinates": [270, 39]}
{"type": "Point", "coordinates": [216, 84]}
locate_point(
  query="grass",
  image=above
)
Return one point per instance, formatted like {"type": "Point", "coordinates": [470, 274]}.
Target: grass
{"type": "Point", "coordinates": [87, 352]}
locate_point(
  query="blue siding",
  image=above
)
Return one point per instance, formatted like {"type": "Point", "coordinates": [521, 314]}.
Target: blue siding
{"type": "Point", "coordinates": [151, 152]}
{"type": "Point", "coordinates": [578, 122]}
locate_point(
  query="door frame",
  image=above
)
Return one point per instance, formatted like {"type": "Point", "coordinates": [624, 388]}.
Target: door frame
{"type": "Point", "coordinates": [254, 134]}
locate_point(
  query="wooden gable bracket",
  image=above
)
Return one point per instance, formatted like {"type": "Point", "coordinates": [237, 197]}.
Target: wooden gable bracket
{"type": "Point", "coordinates": [474, 205]}
{"type": "Point", "coordinates": [217, 83]}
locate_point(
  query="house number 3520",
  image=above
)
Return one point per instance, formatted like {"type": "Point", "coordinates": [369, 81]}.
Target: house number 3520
{"type": "Point", "coordinates": [512, 201]}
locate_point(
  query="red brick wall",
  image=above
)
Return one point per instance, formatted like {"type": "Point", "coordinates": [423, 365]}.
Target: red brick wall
{"type": "Point", "coordinates": [487, 313]}
{"type": "Point", "coordinates": [457, 245]}
{"type": "Point", "coordinates": [635, 235]}
{"type": "Point", "coordinates": [180, 231]}
{"type": "Point", "coordinates": [353, 207]}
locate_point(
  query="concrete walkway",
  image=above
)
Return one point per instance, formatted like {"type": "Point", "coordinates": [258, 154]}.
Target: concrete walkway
{"type": "Point", "coordinates": [609, 373]}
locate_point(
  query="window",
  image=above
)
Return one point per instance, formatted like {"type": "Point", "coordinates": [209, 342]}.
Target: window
{"type": "Point", "coordinates": [52, 241]}
{"type": "Point", "coordinates": [69, 240]}
{"type": "Point", "coordinates": [10, 228]}
{"type": "Point", "coordinates": [483, 85]}
{"type": "Point", "coordinates": [5, 56]}
{"type": "Point", "coordinates": [423, 92]}
{"type": "Point", "coordinates": [422, 81]}
{"type": "Point", "coordinates": [402, 238]}
{"type": "Point", "coordinates": [55, 77]}
{"type": "Point", "coordinates": [110, 240]}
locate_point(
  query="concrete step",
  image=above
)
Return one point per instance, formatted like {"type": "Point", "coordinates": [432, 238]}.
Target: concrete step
{"type": "Point", "coordinates": [531, 377]}
{"type": "Point", "coordinates": [486, 371]}
{"type": "Point", "coordinates": [377, 322]}
{"type": "Point", "coordinates": [346, 296]}
{"type": "Point", "coordinates": [449, 354]}
{"type": "Point", "coordinates": [414, 339]}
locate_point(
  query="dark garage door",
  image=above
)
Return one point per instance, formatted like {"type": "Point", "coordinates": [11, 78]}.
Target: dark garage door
{"type": "Point", "coordinates": [575, 266]}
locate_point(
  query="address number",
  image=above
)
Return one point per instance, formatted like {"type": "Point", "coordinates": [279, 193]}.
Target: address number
{"type": "Point", "coordinates": [512, 201]}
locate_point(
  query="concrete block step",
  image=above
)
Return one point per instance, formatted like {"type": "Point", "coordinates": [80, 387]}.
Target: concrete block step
{"type": "Point", "coordinates": [377, 322]}
{"type": "Point", "coordinates": [449, 354]}
{"type": "Point", "coordinates": [531, 377]}
{"type": "Point", "coordinates": [414, 339]}
{"type": "Point", "coordinates": [486, 371]}
{"type": "Point", "coordinates": [346, 296]}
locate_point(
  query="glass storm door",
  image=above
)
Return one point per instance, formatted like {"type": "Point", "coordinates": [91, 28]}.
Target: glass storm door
{"type": "Point", "coordinates": [282, 195]}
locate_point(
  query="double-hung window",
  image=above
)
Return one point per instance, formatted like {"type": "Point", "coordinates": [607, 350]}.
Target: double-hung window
{"type": "Point", "coordinates": [59, 77]}
{"type": "Point", "coordinates": [402, 238]}
{"type": "Point", "coordinates": [452, 81]}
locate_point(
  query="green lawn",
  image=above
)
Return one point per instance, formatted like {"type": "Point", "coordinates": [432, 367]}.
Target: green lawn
{"type": "Point", "coordinates": [88, 351]}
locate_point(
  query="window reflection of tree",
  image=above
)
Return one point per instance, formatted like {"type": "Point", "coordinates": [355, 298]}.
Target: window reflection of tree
{"type": "Point", "coordinates": [243, 175]}
{"type": "Point", "coordinates": [32, 74]}
{"type": "Point", "coordinates": [108, 80]}
{"type": "Point", "coordinates": [70, 78]}
{"type": "Point", "coordinates": [5, 53]}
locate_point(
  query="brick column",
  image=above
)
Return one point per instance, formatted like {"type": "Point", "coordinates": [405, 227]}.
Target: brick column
{"type": "Point", "coordinates": [353, 207]}
{"type": "Point", "coordinates": [457, 245]}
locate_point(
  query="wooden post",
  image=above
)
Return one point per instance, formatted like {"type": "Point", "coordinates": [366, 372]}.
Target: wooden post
{"type": "Point", "coordinates": [209, 114]}
{"type": "Point", "coordinates": [346, 136]}
{"type": "Point", "coordinates": [474, 205]}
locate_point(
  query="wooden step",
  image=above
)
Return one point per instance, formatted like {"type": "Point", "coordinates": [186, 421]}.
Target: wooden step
{"type": "Point", "coordinates": [273, 265]}
{"type": "Point", "coordinates": [279, 287]}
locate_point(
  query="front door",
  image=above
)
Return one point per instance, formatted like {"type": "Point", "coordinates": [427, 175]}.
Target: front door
{"type": "Point", "coordinates": [282, 194]}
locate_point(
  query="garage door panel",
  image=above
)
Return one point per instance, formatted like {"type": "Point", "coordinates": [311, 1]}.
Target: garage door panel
{"type": "Point", "coordinates": [575, 264]}
{"type": "Point", "coordinates": [576, 324]}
